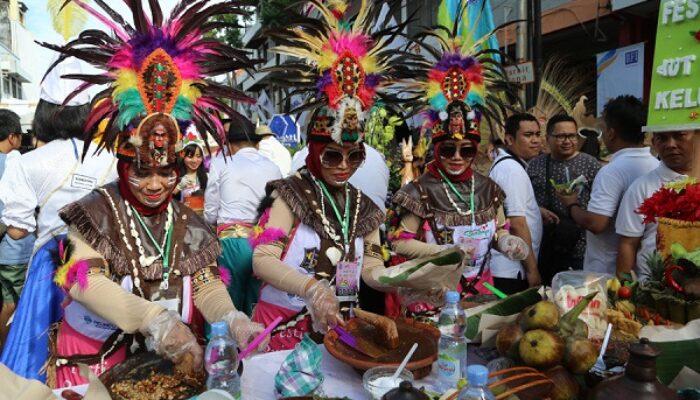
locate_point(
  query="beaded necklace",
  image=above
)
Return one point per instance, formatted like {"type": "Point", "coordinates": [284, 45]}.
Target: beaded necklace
{"type": "Point", "coordinates": [143, 260]}
{"type": "Point", "coordinates": [447, 183]}
{"type": "Point", "coordinates": [348, 230]}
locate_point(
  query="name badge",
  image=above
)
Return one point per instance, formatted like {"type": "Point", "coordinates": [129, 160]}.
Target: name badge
{"type": "Point", "coordinates": [347, 280]}
{"type": "Point", "coordinates": [83, 182]}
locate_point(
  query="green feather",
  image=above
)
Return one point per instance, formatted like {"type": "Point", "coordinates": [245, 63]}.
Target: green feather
{"type": "Point", "coordinates": [130, 107]}
{"type": "Point", "coordinates": [183, 109]}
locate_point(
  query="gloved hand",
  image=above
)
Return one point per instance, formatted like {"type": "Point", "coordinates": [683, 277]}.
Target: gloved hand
{"type": "Point", "coordinates": [513, 247]}
{"type": "Point", "coordinates": [244, 330]}
{"type": "Point", "coordinates": [323, 306]}
{"type": "Point", "coordinates": [171, 338]}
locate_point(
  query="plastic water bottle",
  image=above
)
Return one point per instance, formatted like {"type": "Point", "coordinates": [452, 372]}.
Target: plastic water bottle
{"type": "Point", "coordinates": [452, 347]}
{"type": "Point", "coordinates": [221, 362]}
{"type": "Point", "coordinates": [478, 377]}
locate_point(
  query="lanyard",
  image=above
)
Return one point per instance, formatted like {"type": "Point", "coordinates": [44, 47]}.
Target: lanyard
{"type": "Point", "coordinates": [168, 237]}
{"type": "Point", "coordinates": [344, 220]}
{"type": "Point", "coordinates": [458, 194]}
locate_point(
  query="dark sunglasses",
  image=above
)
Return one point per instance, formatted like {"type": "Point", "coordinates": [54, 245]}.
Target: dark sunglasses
{"type": "Point", "coordinates": [333, 158]}
{"type": "Point", "coordinates": [449, 151]}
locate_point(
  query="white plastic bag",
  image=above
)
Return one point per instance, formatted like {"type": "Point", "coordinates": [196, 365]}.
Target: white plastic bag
{"type": "Point", "coordinates": [568, 288]}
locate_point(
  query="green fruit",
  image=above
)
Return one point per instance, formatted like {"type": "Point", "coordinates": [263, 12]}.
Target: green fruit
{"type": "Point", "coordinates": [508, 340]}
{"type": "Point", "coordinates": [580, 355]}
{"type": "Point", "coordinates": [543, 315]}
{"type": "Point", "coordinates": [541, 349]}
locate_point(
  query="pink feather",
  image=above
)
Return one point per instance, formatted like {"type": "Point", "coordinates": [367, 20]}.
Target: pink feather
{"type": "Point", "coordinates": [188, 67]}
{"type": "Point", "coordinates": [426, 226]}
{"type": "Point", "coordinates": [225, 275]}
{"type": "Point", "coordinates": [78, 273]}
{"type": "Point", "coordinates": [402, 235]}
{"type": "Point", "coordinates": [269, 235]}
{"type": "Point", "coordinates": [357, 45]}
{"type": "Point", "coordinates": [122, 35]}
{"type": "Point", "coordinates": [61, 250]}
{"type": "Point", "coordinates": [265, 217]}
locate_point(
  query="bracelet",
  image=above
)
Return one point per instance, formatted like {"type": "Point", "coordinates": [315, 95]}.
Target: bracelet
{"type": "Point", "coordinates": [570, 206]}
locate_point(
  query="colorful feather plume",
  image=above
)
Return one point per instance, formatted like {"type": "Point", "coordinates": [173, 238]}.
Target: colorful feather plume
{"type": "Point", "coordinates": [157, 66]}
{"type": "Point", "coordinates": [460, 75]}
{"type": "Point", "coordinates": [344, 67]}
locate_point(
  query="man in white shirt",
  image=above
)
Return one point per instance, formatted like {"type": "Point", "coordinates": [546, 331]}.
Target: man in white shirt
{"type": "Point", "coordinates": [234, 191]}
{"type": "Point", "coordinates": [271, 148]}
{"type": "Point", "coordinates": [47, 179]}
{"type": "Point", "coordinates": [624, 117]}
{"type": "Point", "coordinates": [523, 142]}
{"type": "Point", "coordinates": [372, 178]}
{"type": "Point", "coordinates": [637, 240]}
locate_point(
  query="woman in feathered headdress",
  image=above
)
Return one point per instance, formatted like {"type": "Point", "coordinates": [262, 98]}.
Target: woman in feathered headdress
{"type": "Point", "coordinates": [321, 233]}
{"type": "Point", "coordinates": [451, 204]}
{"type": "Point", "coordinates": [136, 263]}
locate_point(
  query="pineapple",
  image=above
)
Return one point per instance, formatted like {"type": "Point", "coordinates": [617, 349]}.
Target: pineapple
{"type": "Point", "coordinates": [657, 266]}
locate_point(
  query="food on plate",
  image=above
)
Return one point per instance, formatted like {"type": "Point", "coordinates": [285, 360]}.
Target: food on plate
{"type": "Point", "coordinates": [157, 386]}
{"type": "Point", "coordinates": [624, 328]}
{"type": "Point", "coordinates": [387, 334]}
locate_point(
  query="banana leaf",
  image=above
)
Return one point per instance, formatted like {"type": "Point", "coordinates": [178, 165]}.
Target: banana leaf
{"type": "Point", "coordinates": [513, 304]}
{"type": "Point", "coordinates": [674, 356]}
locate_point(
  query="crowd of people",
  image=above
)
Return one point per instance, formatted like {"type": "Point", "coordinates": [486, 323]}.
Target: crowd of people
{"type": "Point", "coordinates": [150, 231]}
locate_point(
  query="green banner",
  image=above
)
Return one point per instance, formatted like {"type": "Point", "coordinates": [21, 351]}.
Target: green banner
{"type": "Point", "coordinates": [674, 101]}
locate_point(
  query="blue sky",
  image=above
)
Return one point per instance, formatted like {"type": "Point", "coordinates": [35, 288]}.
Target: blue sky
{"type": "Point", "coordinates": [38, 22]}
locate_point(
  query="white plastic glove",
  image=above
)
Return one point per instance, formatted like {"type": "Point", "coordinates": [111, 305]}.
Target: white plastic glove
{"type": "Point", "coordinates": [171, 338]}
{"type": "Point", "coordinates": [513, 247]}
{"type": "Point", "coordinates": [244, 330]}
{"type": "Point", "coordinates": [323, 306]}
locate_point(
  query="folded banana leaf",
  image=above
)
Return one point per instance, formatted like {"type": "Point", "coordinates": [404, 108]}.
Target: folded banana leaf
{"type": "Point", "coordinates": [674, 356]}
{"type": "Point", "coordinates": [513, 304]}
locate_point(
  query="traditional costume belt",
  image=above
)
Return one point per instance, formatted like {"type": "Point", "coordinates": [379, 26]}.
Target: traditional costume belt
{"type": "Point", "coordinates": [110, 346]}
{"type": "Point", "coordinates": [234, 230]}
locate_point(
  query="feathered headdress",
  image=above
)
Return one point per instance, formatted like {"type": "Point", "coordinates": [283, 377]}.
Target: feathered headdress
{"type": "Point", "coordinates": [157, 74]}
{"type": "Point", "coordinates": [461, 83]}
{"type": "Point", "coordinates": [344, 67]}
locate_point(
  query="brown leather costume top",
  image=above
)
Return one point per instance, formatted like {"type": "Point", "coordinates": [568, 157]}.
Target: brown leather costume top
{"type": "Point", "coordinates": [488, 197]}
{"type": "Point", "coordinates": [194, 244]}
{"type": "Point", "coordinates": [303, 198]}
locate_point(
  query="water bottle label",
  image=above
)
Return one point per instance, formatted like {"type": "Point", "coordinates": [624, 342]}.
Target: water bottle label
{"type": "Point", "coordinates": [448, 368]}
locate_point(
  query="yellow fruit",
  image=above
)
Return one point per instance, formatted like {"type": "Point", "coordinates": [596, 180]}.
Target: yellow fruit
{"type": "Point", "coordinates": [614, 284]}
{"type": "Point", "coordinates": [625, 306]}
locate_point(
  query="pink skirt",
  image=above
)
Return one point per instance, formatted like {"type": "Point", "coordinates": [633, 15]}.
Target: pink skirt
{"type": "Point", "coordinates": [286, 339]}
{"type": "Point", "coordinates": [70, 343]}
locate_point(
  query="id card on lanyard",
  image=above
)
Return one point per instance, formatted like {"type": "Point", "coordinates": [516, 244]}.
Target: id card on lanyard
{"type": "Point", "coordinates": [347, 280]}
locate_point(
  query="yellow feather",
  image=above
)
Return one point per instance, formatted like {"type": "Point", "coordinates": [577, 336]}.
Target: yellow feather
{"type": "Point", "coordinates": [370, 65]}
{"type": "Point", "coordinates": [339, 5]}
{"type": "Point", "coordinates": [62, 273]}
{"type": "Point", "coordinates": [362, 16]}
{"type": "Point", "coordinates": [326, 59]}
{"type": "Point", "coordinates": [69, 21]}
{"type": "Point", "coordinates": [189, 91]}
{"type": "Point", "coordinates": [126, 79]}
{"type": "Point", "coordinates": [433, 89]}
